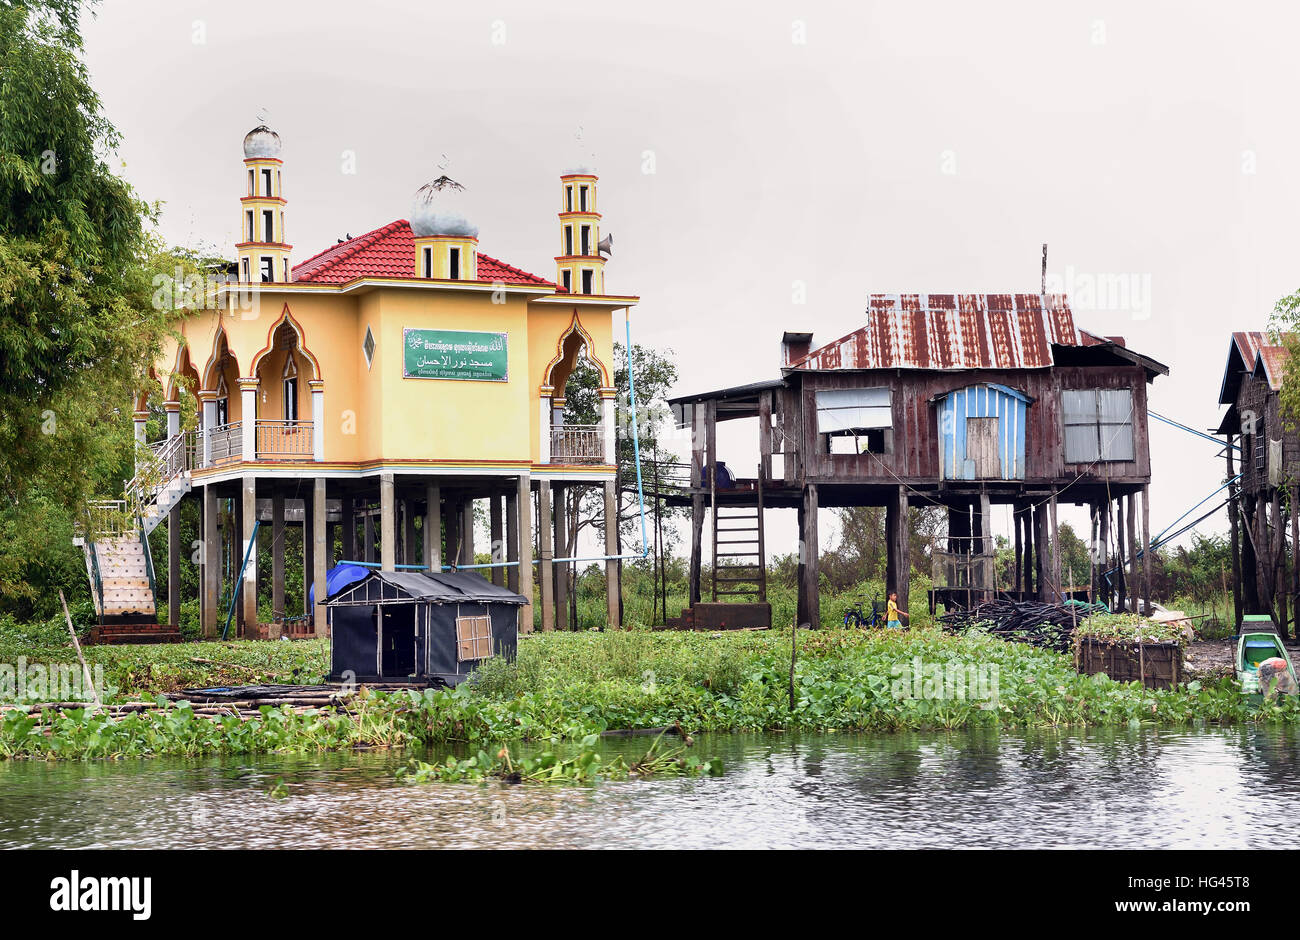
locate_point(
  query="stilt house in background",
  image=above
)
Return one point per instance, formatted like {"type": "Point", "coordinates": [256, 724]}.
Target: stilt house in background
{"type": "Point", "coordinates": [372, 394]}
{"type": "Point", "coordinates": [965, 402]}
{"type": "Point", "coordinates": [1266, 454]}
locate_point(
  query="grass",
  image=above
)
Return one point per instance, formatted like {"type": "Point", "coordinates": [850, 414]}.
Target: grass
{"type": "Point", "coordinates": [572, 685]}
{"type": "Point", "coordinates": [141, 672]}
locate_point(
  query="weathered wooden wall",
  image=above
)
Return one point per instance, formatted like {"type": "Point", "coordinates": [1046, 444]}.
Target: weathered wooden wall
{"type": "Point", "coordinates": [915, 454]}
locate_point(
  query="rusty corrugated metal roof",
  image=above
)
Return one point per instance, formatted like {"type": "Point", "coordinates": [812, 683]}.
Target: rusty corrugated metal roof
{"type": "Point", "coordinates": [952, 331]}
{"type": "Point", "coordinates": [1252, 348]}
{"type": "Point", "coordinates": [1273, 359]}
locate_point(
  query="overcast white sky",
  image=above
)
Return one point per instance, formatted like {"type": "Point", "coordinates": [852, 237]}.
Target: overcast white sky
{"type": "Point", "coordinates": [858, 148]}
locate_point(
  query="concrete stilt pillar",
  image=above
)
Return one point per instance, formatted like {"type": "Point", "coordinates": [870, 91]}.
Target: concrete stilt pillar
{"type": "Point", "coordinates": [512, 541]}
{"type": "Point", "coordinates": [410, 551]}
{"type": "Point", "coordinates": [248, 592]}
{"type": "Point", "coordinates": [277, 555]}
{"type": "Point", "coordinates": [174, 566]}
{"type": "Point", "coordinates": [524, 511]}
{"type": "Point", "coordinates": [498, 543]}
{"type": "Point", "coordinates": [612, 587]}
{"type": "Point", "coordinates": [349, 521]}
{"type": "Point", "coordinates": [467, 533]}
{"type": "Point", "coordinates": [308, 556]}
{"type": "Point", "coordinates": [559, 550]}
{"type": "Point", "coordinates": [367, 533]}
{"type": "Point", "coordinates": [545, 572]}
{"type": "Point", "coordinates": [387, 524]}
{"type": "Point", "coordinates": [210, 563]}
{"type": "Point", "coordinates": [318, 556]}
{"type": "Point", "coordinates": [433, 527]}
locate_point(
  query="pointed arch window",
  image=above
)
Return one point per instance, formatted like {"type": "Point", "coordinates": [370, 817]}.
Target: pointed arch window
{"type": "Point", "coordinates": [223, 401]}
{"type": "Point", "coordinates": [290, 378]}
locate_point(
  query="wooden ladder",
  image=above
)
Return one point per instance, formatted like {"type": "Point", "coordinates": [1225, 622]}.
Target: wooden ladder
{"type": "Point", "coordinates": [739, 556]}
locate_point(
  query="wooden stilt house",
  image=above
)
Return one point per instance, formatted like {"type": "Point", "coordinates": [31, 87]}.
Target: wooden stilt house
{"type": "Point", "coordinates": [1263, 456]}
{"type": "Point", "coordinates": [963, 402]}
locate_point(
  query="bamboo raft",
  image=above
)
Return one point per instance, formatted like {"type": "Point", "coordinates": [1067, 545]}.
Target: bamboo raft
{"type": "Point", "coordinates": [240, 701]}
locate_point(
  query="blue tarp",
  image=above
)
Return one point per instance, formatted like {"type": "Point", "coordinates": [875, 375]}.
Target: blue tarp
{"type": "Point", "coordinates": [339, 577]}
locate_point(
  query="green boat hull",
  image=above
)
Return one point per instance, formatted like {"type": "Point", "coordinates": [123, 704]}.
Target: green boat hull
{"type": "Point", "coordinates": [1258, 640]}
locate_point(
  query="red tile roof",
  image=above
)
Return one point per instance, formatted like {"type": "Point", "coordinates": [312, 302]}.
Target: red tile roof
{"type": "Point", "coordinates": [952, 331]}
{"type": "Point", "coordinates": [390, 252]}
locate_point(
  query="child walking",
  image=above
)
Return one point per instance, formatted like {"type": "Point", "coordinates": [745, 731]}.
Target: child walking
{"type": "Point", "coordinates": [892, 613]}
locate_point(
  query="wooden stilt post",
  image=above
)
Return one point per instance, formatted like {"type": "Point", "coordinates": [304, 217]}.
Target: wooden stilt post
{"type": "Point", "coordinates": [1295, 560]}
{"type": "Point", "coordinates": [699, 472]}
{"type": "Point", "coordinates": [1121, 546]}
{"type": "Point", "coordinates": [898, 564]}
{"type": "Point", "coordinates": [1146, 548]}
{"type": "Point", "coordinates": [810, 594]}
{"type": "Point", "coordinates": [1280, 579]}
{"type": "Point", "coordinates": [1103, 551]}
{"type": "Point", "coordinates": [1058, 585]}
{"type": "Point", "coordinates": [1042, 545]}
{"type": "Point", "coordinates": [1018, 550]}
{"type": "Point", "coordinates": [1234, 518]}
{"type": "Point", "coordinates": [986, 546]}
{"type": "Point", "coordinates": [1130, 529]}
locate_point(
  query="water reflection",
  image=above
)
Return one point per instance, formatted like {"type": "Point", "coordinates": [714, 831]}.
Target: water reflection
{"type": "Point", "coordinates": [1111, 789]}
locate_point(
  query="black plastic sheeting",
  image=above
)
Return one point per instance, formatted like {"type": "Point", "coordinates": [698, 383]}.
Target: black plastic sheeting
{"type": "Point", "coordinates": [418, 638]}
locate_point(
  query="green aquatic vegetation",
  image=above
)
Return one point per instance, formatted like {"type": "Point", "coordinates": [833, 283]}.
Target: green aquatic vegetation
{"type": "Point", "coordinates": [570, 686]}
{"type": "Point", "coordinates": [1127, 628]}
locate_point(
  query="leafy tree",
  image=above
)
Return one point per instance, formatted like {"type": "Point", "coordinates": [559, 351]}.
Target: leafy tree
{"type": "Point", "coordinates": [1284, 327]}
{"type": "Point", "coordinates": [76, 320]}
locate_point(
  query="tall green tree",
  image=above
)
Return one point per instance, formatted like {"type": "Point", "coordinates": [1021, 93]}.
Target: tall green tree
{"type": "Point", "coordinates": [77, 325]}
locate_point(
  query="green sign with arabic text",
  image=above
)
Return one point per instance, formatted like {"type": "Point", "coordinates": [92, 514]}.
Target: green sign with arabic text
{"type": "Point", "coordinates": [454, 354]}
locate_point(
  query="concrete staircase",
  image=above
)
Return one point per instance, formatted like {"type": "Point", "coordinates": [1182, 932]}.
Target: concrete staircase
{"type": "Point", "coordinates": [116, 547]}
{"type": "Point", "coordinates": [126, 583]}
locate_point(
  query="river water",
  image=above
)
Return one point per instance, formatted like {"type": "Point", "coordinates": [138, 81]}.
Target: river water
{"type": "Point", "coordinates": [1121, 788]}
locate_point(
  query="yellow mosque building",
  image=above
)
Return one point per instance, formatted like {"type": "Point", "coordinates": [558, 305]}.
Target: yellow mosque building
{"type": "Point", "coordinates": [401, 375]}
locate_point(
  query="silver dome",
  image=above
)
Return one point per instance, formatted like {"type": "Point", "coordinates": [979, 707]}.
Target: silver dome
{"type": "Point", "coordinates": [261, 141]}
{"type": "Point", "coordinates": [439, 209]}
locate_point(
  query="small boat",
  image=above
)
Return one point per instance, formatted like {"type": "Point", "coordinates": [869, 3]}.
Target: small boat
{"type": "Point", "coordinates": [1263, 665]}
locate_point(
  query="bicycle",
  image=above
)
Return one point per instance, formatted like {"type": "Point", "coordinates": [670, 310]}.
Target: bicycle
{"type": "Point", "coordinates": [855, 616]}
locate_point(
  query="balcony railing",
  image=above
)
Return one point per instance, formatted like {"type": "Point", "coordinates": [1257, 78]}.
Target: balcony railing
{"type": "Point", "coordinates": [578, 443]}
{"type": "Point", "coordinates": [226, 444]}
{"type": "Point", "coordinates": [284, 440]}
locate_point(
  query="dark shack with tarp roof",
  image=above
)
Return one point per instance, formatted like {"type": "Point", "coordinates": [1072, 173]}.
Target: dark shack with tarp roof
{"type": "Point", "coordinates": [420, 625]}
